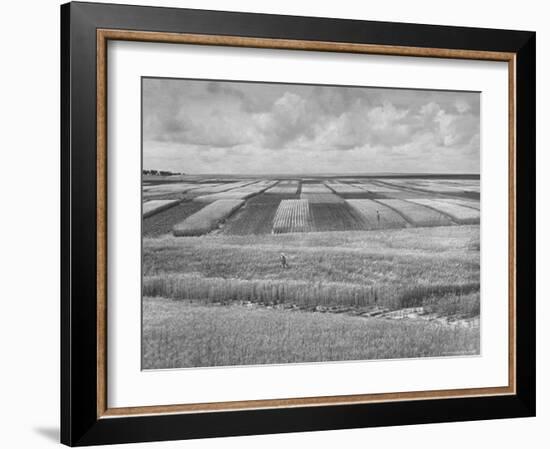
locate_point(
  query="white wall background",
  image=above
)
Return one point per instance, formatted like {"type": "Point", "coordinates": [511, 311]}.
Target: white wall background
{"type": "Point", "coordinates": [29, 249]}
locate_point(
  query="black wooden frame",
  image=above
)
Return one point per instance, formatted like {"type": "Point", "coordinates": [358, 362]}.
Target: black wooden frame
{"type": "Point", "coordinates": [79, 422]}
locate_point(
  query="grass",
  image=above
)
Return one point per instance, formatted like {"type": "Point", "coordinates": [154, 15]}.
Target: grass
{"type": "Point", "coordinates": [395, 268]}
{"type": "Point", "coordinates": [179, 334]}
{"type": "Point", "coordinates": [454, 305]}
{"type": "Point", "coordinates": [295, 292]}
{"type": "Point", "coordinates": [207, 218]}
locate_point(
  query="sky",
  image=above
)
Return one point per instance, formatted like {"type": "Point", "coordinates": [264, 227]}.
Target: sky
{"type": "Point", "coordinates": [224, 127]}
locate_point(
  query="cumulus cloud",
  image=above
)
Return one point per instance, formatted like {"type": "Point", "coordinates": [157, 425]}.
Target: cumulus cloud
{"type": "Point", "coordinates": [235, 127]}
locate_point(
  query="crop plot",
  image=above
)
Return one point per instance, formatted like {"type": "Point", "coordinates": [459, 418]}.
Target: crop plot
{"type": "Point", "coordinates": [463, 202]}
{"type": "Point", "coordinates": [417, 214]}
{"type": "Point", "coordinates": [167, 189]}
{"type": "Point", "coordinates": [434, 186]}
{"type": "Point", "coordinates": [217, 187]}
{"type": "Point", "coordinates": [460, 214]}
{"type": "Point", "coordinates": [207, 218]}
{"type": "Point", "coordinates": [292, 216]}
{"type": "Point", "coordinates": [376, 188]}
{"type": "Point", "coordinates": [320, 198]}
{"type": "Point", "coordinates": [315, 188]}
{"type": "Point", "coordinates": [240, 193]}
{"type": "Point", "coordinates": [163, 222]}
{"type": "Point", "coordinates": [269, 237]}
{"type": "Point", "coordinates": [336, 217]}
{"type": "Point", "coordinates": [284, 187]}
{"type": "Point", "coordinates": [269, 198]}
{"type": "Point", "coordinates": [252, 219]}
{"type": "Point", "coordinates": [155, 206]}
{"type": "Point", "coordinates": [376, 215]}
{"type": "Point", "coordinates": [339, 187]}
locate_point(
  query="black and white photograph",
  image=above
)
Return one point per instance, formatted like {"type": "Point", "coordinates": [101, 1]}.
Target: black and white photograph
{"type": "Point", "coordinates": [289, 223]}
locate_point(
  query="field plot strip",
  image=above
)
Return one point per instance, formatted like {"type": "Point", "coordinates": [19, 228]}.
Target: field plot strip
{"type": "Point", "coordinates": [429, 186]}
{"type": "Point", "coordinates": [461, 214]}
{"type": "Point", "coordinates": [252, 219]}
{"type": "Point", "coordinates": [162, 223]}
{"type": "Point", "coordinates": [315, 188]}
{"type": "Point", "coordinates": [179, 187]}
{"type": "Point", "coordinates": [208, 218]}
{"type": "Point", "coordinates": [417, 214]}
{"type": "Point", "coordinates": [339, 187]}
{"type": "Point", "coordinates": [376, 215]}
{"type": "Point", "coordinates": [319, 198]}
{"type": "Point", "coordinates": [473, 204]}
{"type": "Point", "coordinates": [336, 217]}
{"type": "Point", "coordinates": [155, 206]}
{"type": "Point", "coordinates": [240, 193]}
{"type": "Point", "coordinates": [375, 188]}
{"type": "Point", "coordinates": [435, 186]}
{"type": "Point", "coordinates": [292, 216]}
{"type": "Point", "coordinates": [219, 188]}
{"type": "Point", "coordinates": [284, 187]}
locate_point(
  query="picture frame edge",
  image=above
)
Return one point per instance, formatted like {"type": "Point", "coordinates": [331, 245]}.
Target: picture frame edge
{"type": "Point", "coordinates": [79, 426]}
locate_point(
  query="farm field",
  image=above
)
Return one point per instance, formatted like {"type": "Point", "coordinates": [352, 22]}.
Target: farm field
{"type": "Point", "coordinates": [292, 216]}
{"type": "Point", "coordinates": [207, 218]}
{"type": "Point", "coordinates": [335, 216]}
{"type": "Point", "coordinates": [339, 187]}
{"type": "Point", "coordinates": [163, 222]}
{"type": "Point", "coordinates": [376, 215]}
{"type": "Point", "coordinates": [416, 214]}
{"type": "Point", "coordinates": [321, 198]}
{"type": "Point", "coordinates": [457, 212]}
{"type": "Point", "coordinates": [184, 334]}
{"type": "Point", "coordinates": [463, 202]}
{"type": "Point", "coordinates": [315, 188]}
{"type": "Point", "coordinates": [195, 279]}
{"type": "Point", "coordinates": [215, 292]}
{"type": "Point", "coordinates": [284, 187]}
{"type": "Point", "coordinates": [252, 219]}
{"type": "Point", "coordinates": [155, 206]}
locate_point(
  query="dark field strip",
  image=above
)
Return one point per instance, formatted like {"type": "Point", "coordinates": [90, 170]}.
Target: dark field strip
{"type": "Point", "coordinates": [336, 217]}
{"type": "Point", "coordinates": [361, 195]}
{"type": "Point", "coordinates": [252, 219]}
{"type": "Point", "coordinates": [163, 222]}
{"type": "Point", "coordinates": [270, 198]}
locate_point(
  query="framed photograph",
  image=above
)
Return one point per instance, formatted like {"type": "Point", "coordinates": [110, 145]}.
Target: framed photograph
{"type": "Point", "coordinates": [280, 224]}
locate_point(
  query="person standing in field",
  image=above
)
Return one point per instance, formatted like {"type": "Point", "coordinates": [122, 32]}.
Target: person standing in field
{"type": "Point", "coordinates": [283, 261]}
{"type": "Point", "coordinates": [378, 216]}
